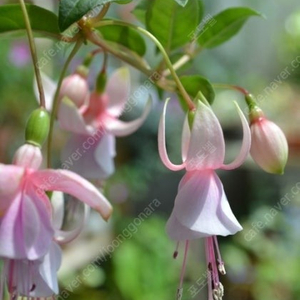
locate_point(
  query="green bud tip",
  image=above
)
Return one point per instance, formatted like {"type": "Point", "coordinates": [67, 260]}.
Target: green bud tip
{"type": "Point", "coordinates": [101, 82]}
{"type": "Point", "coordinates": [82, 71]}
{"type": "Point", "coordinates": [37, 127]}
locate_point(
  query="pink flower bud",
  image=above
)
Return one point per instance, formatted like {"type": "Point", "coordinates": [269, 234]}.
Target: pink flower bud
{"type": "Point", "coordinates": [28, 156]}
{"type": "Point", "coordinates": [76, 88]}
{"type": "Point", "coordinates": [269, 146]}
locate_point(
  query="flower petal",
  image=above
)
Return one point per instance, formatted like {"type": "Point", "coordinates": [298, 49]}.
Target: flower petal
{"type": "Point", "coordinates": [246, 144]}
{"type": "Point", "coordinates": [207, 149]}
{"type": "Point", "coordinates": [70, 118]}
{"type": "Point", "coordinates": [162, 143]}
{"type": "Point", "coordinates": [38, 278]}
{"type": "Point", "coordinates": [48, 271]}
{"type": "Point", "coordinates": [117, 90]}
{"type": "Point", "coordinates": [64, 236]}
{"type": "Point", "coordinates": [49, 89]}
{"type": "Point", "coordinates": [26, 230]}
{"type": "Point", "coordinates": [10, 182]}
{"type": "Point", "coordinates": [201, 205]}
{"type": "Point", "coordinates": [176, 231]}
{"type": "Point", "coordinates": [58, 209]}
{"type": "Point", "coordinates": [73, 184]}
{"type": "Point", "coordinates": [105, 152]}
{"type": "Point", "coordinates": [185, 139]}
{"type": "Point", "coordinates": [120, 128]}
{"type": "Point", "coordinates": [81, 155]}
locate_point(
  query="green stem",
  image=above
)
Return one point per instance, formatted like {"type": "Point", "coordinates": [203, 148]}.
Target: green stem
{"type": "Point", "coordinates": [127, 57]}
{"type": "Point", "coordinates": [33, 54]}
{"type": "Point", "coordinates": [163, 52]}
{"type": "Point", "coordinates": [56, 102]}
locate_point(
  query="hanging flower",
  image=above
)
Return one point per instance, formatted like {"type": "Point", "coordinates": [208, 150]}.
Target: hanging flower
{"type": "Point", "coordinates": [26, 229]}
{"type": "Point", "coordinates": [201, 208]}
{"type": "Point", "coordinates": [95, 124]}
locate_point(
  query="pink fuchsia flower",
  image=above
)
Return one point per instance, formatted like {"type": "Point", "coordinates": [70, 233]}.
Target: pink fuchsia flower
{"type": "Point", "coordinates": [26, 228]}
{"type": "Point", "coordinates": [201, 208]}
{"type": "Point", "coordinates": [269, 147]}
{"type": "Point", "coordinates": [33, 279]}
{"type": "Point", "coordinates": [95, 126]}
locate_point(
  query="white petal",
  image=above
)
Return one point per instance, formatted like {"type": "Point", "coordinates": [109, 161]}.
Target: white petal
{"type": "Point", "coordinates": [207, 148]}
{"type": "Point", "coordinates": [120, 128]}
{"type": "Point", "coordinates": [71, 119]}
{"type": "Point", "coordinates": [201, 205]}
{"type": "Point", "coordinates": [117, 90]}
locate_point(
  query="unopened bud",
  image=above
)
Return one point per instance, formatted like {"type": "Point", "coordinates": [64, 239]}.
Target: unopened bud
{"type": "Point", "coordinates": [269, 147]}
{"type": "Point", "coordinates": [28, 156]}
{"type": "Point", "coordinates": [76, 88]}
{"type": "Point", "coordinates": [37, 127]}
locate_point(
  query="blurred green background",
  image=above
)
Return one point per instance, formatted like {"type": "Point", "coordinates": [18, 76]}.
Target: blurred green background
{"type": "Point", "coordinates": [262, 261]}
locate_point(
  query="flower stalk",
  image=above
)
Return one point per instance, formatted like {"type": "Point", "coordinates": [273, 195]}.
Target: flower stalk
{"type": "Point", "coordinates": [33, 54]}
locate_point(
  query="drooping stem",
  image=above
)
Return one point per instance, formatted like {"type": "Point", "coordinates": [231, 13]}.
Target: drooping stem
{"type": "Point", "coordinates": [129, 58]}
{"type": "Point", "coordinates": [180, 87]}
{"type": "Point", "coordinates": [231, 87]}
{"type": "Point", "coordinates": [56, 102]}
{"type": "Point", "coordinates": [33, 54]}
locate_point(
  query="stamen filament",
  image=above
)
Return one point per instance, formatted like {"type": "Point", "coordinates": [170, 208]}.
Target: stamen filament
{"type": "Point", "coordinates": [179, 290]}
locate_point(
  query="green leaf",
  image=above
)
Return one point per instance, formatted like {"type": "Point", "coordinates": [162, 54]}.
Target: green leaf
{"type": "Point", "coordinates": [42, 21]}
{"type": "Point", "coordinates": [125, 36]}
{"type": "Point", "coordinates": [195, 83]}
{"type": "Point", "coordinates": [182, 2]}
{"type": "Point", "coordinates": [171, 23]}
{"type": "Point", "coordinates": [220, 28]}
{"type": "Point", "coordinates": [140, 10]}
{"type": "Point", "coordinates": [71, 11]}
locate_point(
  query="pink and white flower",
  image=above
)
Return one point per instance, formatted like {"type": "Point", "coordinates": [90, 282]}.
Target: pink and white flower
{"type": "Point", "coordinates": [95, 124]}
{"type": "Point", "coordinates": [26, 229]}
{"type": "Point", "coordinates": [201, 208]}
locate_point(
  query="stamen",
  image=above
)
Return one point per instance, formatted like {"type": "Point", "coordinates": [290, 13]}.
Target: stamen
{"type": "Point", "coordinates": [180, 289]}
{"type": "Point", "coordinates": [221, 266]}
{"type": "Point", "coordinates": [218, 292]}
{"type": "Point", "coordinates": [175, 254]}
{"type": "Point", "coordinates": [179, 293]}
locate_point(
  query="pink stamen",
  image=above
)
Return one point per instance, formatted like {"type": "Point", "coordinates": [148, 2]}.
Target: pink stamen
{"type": "Point", "coordinates": [221, 266]}
{"type": "Point", "coordinates": [179, 290]}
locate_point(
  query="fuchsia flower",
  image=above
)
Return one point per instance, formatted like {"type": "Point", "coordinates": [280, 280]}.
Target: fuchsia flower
{"type": "Point", "coordinates": [201, 208]}
{"type": "Point", "coordinates": [96, 124]}
{"type": "Point", "coordinates": [27, 231]}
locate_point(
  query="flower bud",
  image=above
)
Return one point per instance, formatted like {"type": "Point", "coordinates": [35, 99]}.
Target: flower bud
{"type": "Point", "coordinates": [269, 147]}
{"type": "Point", "coordinates": [76, 88]}
{"type": "Point", "coordinates": [28, 156]}
{"type": "Point", "coordinates": [37, 127]}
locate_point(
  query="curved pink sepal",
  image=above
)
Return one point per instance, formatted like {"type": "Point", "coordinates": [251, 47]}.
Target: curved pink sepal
{"type": "Point", "coordinates": [162, 143]}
